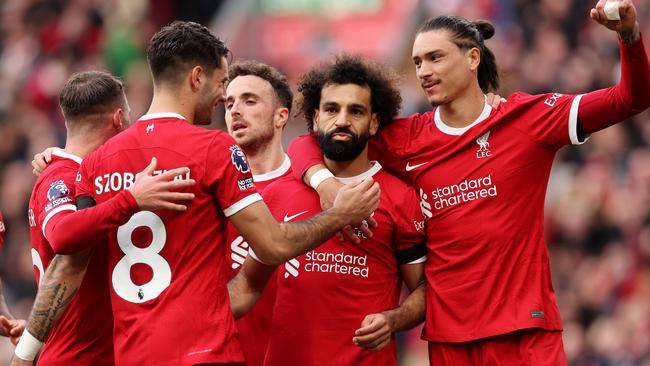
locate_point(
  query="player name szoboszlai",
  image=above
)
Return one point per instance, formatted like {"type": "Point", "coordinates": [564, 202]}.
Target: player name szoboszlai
{"type": "Point", "coordinates": [116, 181]}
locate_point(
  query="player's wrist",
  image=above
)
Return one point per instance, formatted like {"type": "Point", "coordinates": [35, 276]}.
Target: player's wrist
{"type": "Point", "coordinates": [630, 36]}
{"type": "Point", "coordinates": [28, 347]}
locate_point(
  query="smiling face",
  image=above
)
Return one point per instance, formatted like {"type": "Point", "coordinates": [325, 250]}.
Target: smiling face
{"type": "Point", "coordinates": [251, 106]}
{"type": "Point", "coordinates": [344, 120]}
{"type": "Point", "coordinates": [211, 93]}
{"type": "Point", "coordinates": [444, 70]}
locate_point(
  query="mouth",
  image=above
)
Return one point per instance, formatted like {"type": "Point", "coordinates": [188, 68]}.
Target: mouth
{"type": "Point", "coordinates": [428, 85]}
{"type": "Point", "coordinates": [341, 136]}
{"type": "Point", "coordinates": [238, 126]}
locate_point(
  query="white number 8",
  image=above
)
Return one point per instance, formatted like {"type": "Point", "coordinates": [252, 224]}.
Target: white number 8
{"type": "Point", "coordinates": [162, 273]}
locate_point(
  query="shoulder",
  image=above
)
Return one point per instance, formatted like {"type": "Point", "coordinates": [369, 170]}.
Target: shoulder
{"type": "Point", "coordinates": [391, 184]}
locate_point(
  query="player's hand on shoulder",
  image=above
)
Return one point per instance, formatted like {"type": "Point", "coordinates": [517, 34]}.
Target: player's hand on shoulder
{"type": "Point", "coordinates": [494, 100]}
{"type": "Point", "coordinates": [327, 192]}
{"type": "Point", "coordinates": [41, 160]}
{"type": "Point", "coordinates": [374, 334]}
{"type": "Point", "coordinates": [619, 16]}
{"type": "Point", "coordinates": [154, 192]}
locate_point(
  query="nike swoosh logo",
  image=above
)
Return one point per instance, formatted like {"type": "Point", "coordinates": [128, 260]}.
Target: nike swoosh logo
{"type": "Point", "coordinates": [288, 218]}
{"type": "Point", "coordinates": [412, 167]}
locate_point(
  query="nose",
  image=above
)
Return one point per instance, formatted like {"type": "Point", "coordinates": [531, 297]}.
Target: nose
{"type": "Point", "coordinates": [342, 120]}
{"type": "Point", "coordinates": [424, 71]}
{"type": "Point", "coordinates": [234, 109]}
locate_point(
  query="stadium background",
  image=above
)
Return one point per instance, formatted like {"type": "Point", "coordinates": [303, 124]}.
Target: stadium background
{"type": "Point", "coordinates": [598, 205]}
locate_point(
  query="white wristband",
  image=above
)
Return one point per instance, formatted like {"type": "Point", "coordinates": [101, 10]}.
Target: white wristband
{"type": "Point", "coordinates": [28, 347]}
{"type": "Point", "coordinates": [319, 177]}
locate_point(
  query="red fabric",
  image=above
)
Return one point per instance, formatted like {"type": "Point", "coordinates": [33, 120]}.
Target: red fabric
{"type": "Point", "coordinates": [522, 348]}
{"type": "Point", "coordinates": [76, 339]}
{"type": "Point", "coordinates": [168, 278]}
{"type": "Point", "coordinates": [323, 295]}
{"type": "Point", "coordinates": [3, 229]}
{"type": "Point", "coordinates": [255, 326]}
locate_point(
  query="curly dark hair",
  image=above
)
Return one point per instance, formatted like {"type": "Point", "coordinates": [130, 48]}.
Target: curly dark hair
{"type": "Point", "coordinates": [269, 73]}
{"type": "Point", "coordinates": [181, 45]}
{"type": "Point", "coordinates": [385, 98]}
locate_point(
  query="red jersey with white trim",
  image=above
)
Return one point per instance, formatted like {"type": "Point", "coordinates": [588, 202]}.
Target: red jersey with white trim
{"type": "Point", "coordinates": [324, 294]}
{"type": "Point", "coordinates": [255, 326]}
{"type": "Point", "coordinates": [483, 187]}
{"type": "Point", "coordinates": [167, 269]}
{"type": "Point", "coordinates": [2, 231]}
{"type": "Point", "coordinates": [83, 336]}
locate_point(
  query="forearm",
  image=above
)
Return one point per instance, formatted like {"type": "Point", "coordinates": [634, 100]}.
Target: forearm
{"type": "Point", "coordinates": [72, 232]}
{"type": "Point", "coordinates": [247, 286]}
{"type": "Point", "coordinates": [57, 289]}
{"type": "Point", "coordinates": [410, 312]}
{"type": "Point", "coordinates": [603, 108]}
{"type": "Point", "coordinates": [4, 309]}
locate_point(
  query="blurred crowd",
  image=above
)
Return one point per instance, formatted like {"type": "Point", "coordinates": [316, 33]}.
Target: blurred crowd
{"type": "Point", "coordinates": [598, 204]}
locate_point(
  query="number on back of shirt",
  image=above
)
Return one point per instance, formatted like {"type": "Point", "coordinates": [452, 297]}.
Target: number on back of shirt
{"type": "Point", "coordinates": [149, 255]}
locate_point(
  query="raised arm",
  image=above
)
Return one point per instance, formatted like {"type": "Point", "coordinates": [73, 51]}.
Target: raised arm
{"type": "Point", "coordinates": [603, 108]}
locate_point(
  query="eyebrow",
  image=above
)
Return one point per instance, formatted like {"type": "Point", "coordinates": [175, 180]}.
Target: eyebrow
{"type": "Point", "coordinates": [435, 53]}
{"type": "Point", "coordinates": [243, 96]}
{"type": "Point", "coordinates": [350, 106]}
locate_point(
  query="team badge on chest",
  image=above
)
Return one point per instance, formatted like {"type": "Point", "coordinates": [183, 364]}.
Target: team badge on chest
{"type": "Point", "coordinates": [483, 146]}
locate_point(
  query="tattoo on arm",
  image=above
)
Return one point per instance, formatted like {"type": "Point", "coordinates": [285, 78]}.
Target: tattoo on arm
{"type": "Point", "coordinates": [58, 287]}
{"type": "Point", "coordinates": [308, 234]}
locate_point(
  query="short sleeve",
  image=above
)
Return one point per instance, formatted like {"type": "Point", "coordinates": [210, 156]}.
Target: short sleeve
{"type": "Point", "coordinates": [410, 237]}
{"type": "Point", "coordinates": [229, 175]}
{"type": "Point", "coordinates": [56, 194]}
{"type": "Point", "coordinates": [394, 142]}
{"type": "Point", "coordinates": [550, 119]}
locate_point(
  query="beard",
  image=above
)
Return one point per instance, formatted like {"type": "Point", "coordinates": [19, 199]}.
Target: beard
{"type": "Point", "coordinates": [342, 150]}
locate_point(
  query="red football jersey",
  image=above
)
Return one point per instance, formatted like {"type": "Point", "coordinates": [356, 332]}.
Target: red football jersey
{"type": "Point", "coordinates": [83, 335]}
{"type": "Point", "coordinates": [254, 327]}
{"type": "Point", "coordinates": [483, 189]}
{"type": "Point", "coordinates": [2, 231]}
{"type": "Point", "coordinates": [167, 269]}
{"type": "Point", "coordinates": [323, 295]}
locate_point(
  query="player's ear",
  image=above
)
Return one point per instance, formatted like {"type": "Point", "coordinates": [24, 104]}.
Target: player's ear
{"type": "Point", "coordinates": [473, 58]}
{"type": "Point", "coordinates": [374, 124]}
{"type": "Point", "coordinates": [314, 121]}
{"type": "Point", "coordinates": [196, 76]}
{"type": "Point", "coordinates": [117, 119]}
{"type": "Point", "coordinates": [281, 117]}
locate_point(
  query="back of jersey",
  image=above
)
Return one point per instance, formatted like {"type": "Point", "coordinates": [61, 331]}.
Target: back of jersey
{"type": "Point", "coordinates": [167, 269]}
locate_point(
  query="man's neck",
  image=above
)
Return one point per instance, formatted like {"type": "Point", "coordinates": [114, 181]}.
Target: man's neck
{"type": "Point", "coordinates": [167, 100]}
{"type": "Point", "coordinates": [266, 158]}
{"type": "Point", "coordinates": [464, 110]}
{"type": "Point", "coordinates": [81, 146]}
{"type": "Point", "coordinates": [351, 168]}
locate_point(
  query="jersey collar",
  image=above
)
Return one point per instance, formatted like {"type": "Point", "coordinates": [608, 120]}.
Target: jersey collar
{"type": "Point", "coordinates": [147, 117]}
{"type": "Point", "coordinates": [63, 154]}
{"type": "Point", "coordinates": [367, 174]}
{"type": "Point", "coordinates": [487, 109]}
{"type": "Point", "coordinates": [286, 164]}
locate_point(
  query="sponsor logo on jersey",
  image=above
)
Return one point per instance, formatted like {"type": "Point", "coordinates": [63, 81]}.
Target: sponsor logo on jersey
{"type": "Point", "coordinates": [239, 159]}
{"type": "Point", "coordinates": [336, 263]}
{"type": "Point", "coordinates": [466, 191]}
{"type": "Point", "coordinates": [483, 146]}
{"type": "Point", "coordinates": [550, 101]}
{"type": "Point", "coordinates": [239, 251]}
{"type": "Point", "coordinates": [288, 218]}
{"type": "Point", "coordinates": [410, 167]}
{"type": "Point", "coordinates": [246, 183]}
{"type": "Point", "coordinates": [425, 206]}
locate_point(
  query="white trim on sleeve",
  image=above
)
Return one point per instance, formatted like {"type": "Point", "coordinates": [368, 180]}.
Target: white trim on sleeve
{"type": "Point", "coordinates": [54, 212]}
{"type": "Point", "coordinates": [422, 259]}
{"type": "Point", "coordinates": [573, 122]}
{"type": "Point", "coordinates": [241, 204]}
